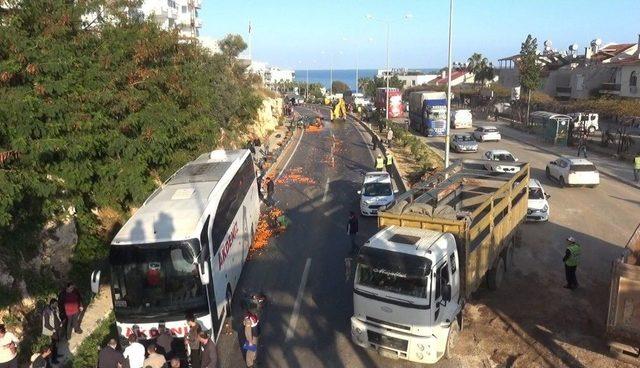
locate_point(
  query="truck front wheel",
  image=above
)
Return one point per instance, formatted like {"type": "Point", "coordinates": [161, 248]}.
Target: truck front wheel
{"type": "Point", "coordinates": [451, 339]}
{"type": "Point", "coordinates": [495, 275]}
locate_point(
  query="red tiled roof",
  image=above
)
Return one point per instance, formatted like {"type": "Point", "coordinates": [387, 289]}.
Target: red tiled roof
{"type": "Point", "coordinates": [632, 60]}
{"type": "Point", "coordinates": [454, 75]}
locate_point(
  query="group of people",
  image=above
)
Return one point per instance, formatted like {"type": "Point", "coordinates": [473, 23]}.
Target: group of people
{"type": "Point", "coordinates": [384, 162]}
{"type": "Point", "coordinates": [375, 140]}
{"type": "Point", "coordinates": [60, 318]}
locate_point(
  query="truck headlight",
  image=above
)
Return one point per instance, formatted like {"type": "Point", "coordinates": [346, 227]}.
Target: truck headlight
{"type": "Point", "coordinates": [358, 331]}
{"type": "Point", "coordinates": [419, 355]}
{"type": "Point", "coordinates": [545, 208]}
{"type": "Point", "coordinates": [420, 347]}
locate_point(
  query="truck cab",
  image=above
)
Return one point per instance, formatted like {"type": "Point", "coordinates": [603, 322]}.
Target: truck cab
{"type": "Point", "coordinates": [406, 293]}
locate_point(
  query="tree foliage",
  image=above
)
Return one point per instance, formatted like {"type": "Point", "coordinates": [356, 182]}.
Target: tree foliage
{"type": "Point", "coordinates": [339, 87]}
{"type": "Point", "coordinates": [528, 65]}
{"type": "Point", "coordinates": [369, 85]}
{"type": "Point", "coordinates": [481, 68]}
{"type": "Point", "coordinates": [95, 115]}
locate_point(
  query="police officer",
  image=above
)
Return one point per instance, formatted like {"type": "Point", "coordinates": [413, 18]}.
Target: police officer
{"type": "Point", "coordinates": [379, 163]}
{"type": "Point", "coordinates": [389, 160]}
{"type": "Point", "coordinates": [571, 260]}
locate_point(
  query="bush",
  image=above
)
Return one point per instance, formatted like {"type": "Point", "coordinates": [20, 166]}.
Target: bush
{"type": "Point", "coordinates": [87, 353]}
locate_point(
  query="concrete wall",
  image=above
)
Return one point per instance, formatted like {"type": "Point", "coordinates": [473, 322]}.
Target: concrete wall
{"type": "Point", "coordinates": [625, 74]}
{"type": "Point", "coordinates": [508, 78]}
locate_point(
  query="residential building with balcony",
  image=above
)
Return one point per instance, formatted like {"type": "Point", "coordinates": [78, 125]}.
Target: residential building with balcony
{"type": "Point", "coordinates": [181, 14]}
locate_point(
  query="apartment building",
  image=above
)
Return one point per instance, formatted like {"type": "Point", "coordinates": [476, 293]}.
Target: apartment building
{"type": "Point", "coordinates": [180, 14]}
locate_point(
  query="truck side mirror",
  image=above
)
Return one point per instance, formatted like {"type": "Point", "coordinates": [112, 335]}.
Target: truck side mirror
{"type": "Point", "coordinates": [547, 196]}
{"type": "Point", "coordinates": [446, 293]}
{"type": "Point", "coordinates": [95, 281]}
{"type": "Point", "coordinates": [203, 272]}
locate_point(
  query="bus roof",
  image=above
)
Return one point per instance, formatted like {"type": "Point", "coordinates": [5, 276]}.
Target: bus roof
{"type": "Point", "coordinates": [173, 211]}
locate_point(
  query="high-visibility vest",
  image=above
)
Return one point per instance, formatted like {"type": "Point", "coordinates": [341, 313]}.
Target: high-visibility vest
{"type": "Point", "coordinates": [574, 256]}
{"type": "Point", "coordinates": [389, 159]}
{"type": "Point", "coordinates": [379, 163]}
{"type": "Point", "coordinates": [637, 162]}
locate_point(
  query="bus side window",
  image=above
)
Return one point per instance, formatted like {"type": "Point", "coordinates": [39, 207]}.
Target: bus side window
{"type": "Point", "coordinates": [204, 239]}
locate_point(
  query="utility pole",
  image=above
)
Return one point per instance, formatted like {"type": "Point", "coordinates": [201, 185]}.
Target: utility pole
{"type": "Point", "coordinates": [388, 76]}
{"type": "Point", "coordinates": [448, 127]}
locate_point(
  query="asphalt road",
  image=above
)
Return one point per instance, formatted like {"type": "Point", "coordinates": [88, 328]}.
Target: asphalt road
{"type": "Point", "coordinates": [302, 272]}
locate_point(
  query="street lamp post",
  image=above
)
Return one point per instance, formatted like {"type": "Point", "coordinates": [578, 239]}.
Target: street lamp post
{"type": "Point", "coordinates": [448, 127]}
{"type": "Point", "coordinates": [388, 72]}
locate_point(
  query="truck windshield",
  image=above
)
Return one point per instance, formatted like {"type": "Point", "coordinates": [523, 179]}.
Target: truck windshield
{"type": "Point", "coordinates": [377, 189]}
{"type": "Point", "coordinates": [155, 280]}
{"type": "Point", "coordinates": [395, 282]}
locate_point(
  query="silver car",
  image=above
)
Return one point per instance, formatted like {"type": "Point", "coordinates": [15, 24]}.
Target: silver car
{"type": "Point", "coordinates": [464, 143]}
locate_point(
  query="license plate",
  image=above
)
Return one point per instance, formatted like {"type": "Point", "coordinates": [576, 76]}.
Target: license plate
{"type": "Point", "coordinates": [388, 353]}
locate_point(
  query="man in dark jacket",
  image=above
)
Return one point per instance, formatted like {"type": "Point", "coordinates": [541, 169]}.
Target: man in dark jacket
{"type": "Point", "coordinates": [209, 351]}
{"type": "Point", "coordinates": [192, 341]}
{"type": "Point", "coordinates": [165, 342]}
{"type": "Point", "coordinates": [51, 325]}
{"type": "Point", "coordinates": [71, 307]}
{"type": "Point", "coordinates": [110, 357]}
{"type": "Point", "coordinates": [42, 360]}
{"type": "Point", "coordinates": [352, 230]}
{"type": "Point", "coordinates": [270, 190]}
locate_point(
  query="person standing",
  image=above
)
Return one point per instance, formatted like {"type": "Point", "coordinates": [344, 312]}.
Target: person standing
{"type": "Point", "coordinates": [209, 351]}
{"type": "Point", "coordinates": [389, 160]}
{"type": "Point", "coordinates": [134, 353]}
{"type": "Point", "coordinates": [251, 344]}
{"type": "Point", "coordinates": [154, 360]}
{"type": "Point", "coordinates": [374, 141]}
{"type": "Point", "coordinates": [352, 230]}
{"type": "Point", "coordinates": [71, 303]}
{"type": "Point", "coordinates": [51, 325]}
{"type": "Point", "coordinates": [571, 260]}
{"type": "Point", "coordinates": [582, 146]}
{"type": "Point", "coordinates": [636, 167]}
{"type": "Point", "coordinates": [192, 341]}
{"type": "Point", "coordinates": [379, 163]}
{"type": "Point", "coordinates": [110, 357]}
{"type": "Point", "coordinates": [165, 341]}
{"type": "Point", "coordinates": [42, 360]}
{"type": "Point", "coordinates": [8, 348]}
{"type": "Point", "coordinates": [270, 190]}
{"type": "Point", "coordinates": [259, 183]}
{"type": "Point", "coordinates": [389, 137]}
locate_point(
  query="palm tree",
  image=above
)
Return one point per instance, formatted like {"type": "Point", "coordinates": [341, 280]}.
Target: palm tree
{"type": "Point", "coordinates": [477, 64]}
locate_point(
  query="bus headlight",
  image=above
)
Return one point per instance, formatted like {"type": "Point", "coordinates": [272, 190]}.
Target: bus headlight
{"type": "Point", "coordinates": [420, 347]}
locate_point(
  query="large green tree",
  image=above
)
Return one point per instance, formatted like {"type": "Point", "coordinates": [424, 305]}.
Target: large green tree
{"type": "Point", "coordinates": [529, 68]}
{"type": "Point", "coordinates": [95, 113]}
{"type": "Point", "coordinates": [481, 68]}
{"type": "Point", "coordinates": [339, 87]}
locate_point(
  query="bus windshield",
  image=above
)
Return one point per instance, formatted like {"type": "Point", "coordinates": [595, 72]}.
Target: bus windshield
{"type": "Point", "coordinates": [155, 280]}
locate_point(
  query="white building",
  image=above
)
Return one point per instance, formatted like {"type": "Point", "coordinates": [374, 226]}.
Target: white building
{"type": "Point", "coordinates": [416, 80]}
{"type": "Point", "coordinates": [275, 75]}
{"type": "Point", "coordinates": [181, 14]}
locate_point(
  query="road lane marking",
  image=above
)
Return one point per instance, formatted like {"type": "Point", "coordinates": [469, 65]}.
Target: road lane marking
{"type": "Point", "coordinates": [326, 189]}
{"type": "Point", "coordinates": [290, 157]}
{"type": "Point", "coordinates": [296, 306]}
{"type": "Point", "coordinates": [333, 210]}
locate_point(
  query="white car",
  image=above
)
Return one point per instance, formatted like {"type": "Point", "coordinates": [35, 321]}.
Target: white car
{"type": "Point", "coordinates": [501, 161]}
{"type": "Point", "coordinates": [538, 206]}
{"type": "Point", "coordinates": [487, 133]}
{"type": "Point", "coordinates": [573, 171]}
{"type": "Point", "coordinates": [377, 191]}
{"type": "Point", "coordinates": [462, 119]}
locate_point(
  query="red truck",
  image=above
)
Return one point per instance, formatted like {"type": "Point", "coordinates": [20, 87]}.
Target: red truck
{"type": "Point", "coordinates": [396, 107]}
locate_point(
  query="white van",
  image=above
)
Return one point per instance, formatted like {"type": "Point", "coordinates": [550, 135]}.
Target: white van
{"type": "Point", "coordinates": [588, 121]}
{"type": "Point", "coordinates": [377, 191]}
{"type": "Point", "coordinates": [462, 119]}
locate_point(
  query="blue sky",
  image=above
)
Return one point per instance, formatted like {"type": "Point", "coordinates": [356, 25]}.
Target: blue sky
{"type": "Point", "coordinates": [301, 34]}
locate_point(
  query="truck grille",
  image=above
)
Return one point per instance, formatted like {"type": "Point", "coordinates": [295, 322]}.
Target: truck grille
{"type": "Point", "coordinates": [389, 324]}
{"type": "Point", "coordinates": [387, 341]}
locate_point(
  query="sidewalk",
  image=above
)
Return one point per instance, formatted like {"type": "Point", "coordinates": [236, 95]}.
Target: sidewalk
{"type": "Point", "coordinates": [607, 166]}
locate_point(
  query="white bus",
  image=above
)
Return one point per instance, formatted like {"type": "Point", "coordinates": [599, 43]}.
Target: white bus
{"type": "Point", "coordinates": [183, 251]}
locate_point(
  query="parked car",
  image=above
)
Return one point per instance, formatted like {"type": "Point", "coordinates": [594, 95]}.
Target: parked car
{"type": "Point", "coordinates": [377, 191]}
{"type": "Point", "coordinates": [573, 171]}
{"type": "Point", "coordinates": [586, 121]}
{"type": "Point", "coordinates": [538, 206]}
{"type": "Point", "coordinates": [501, 161]}
{"type": "Point", "coordinates": [463, 143]}
{"type": "Point", "coordinates": [462, 119]}
{"type": "Point", "coordinates": [487, 133]}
